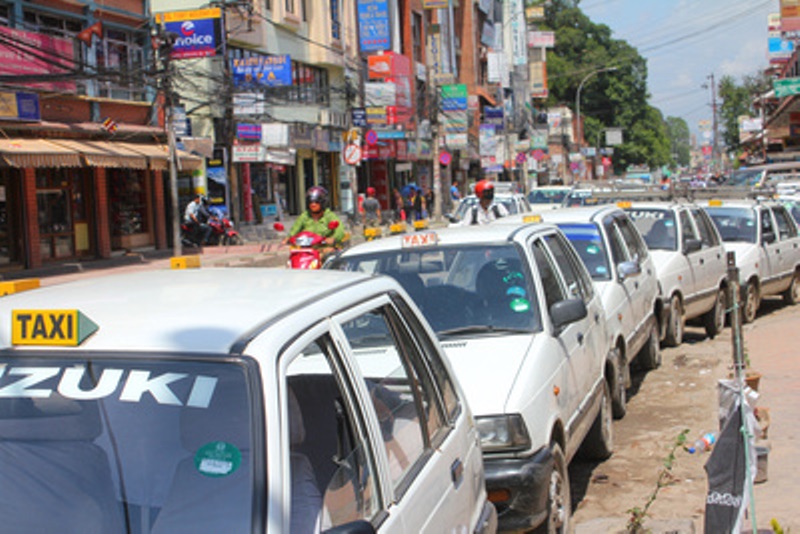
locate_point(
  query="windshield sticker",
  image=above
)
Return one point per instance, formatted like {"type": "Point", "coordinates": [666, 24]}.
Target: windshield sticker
{"type": "Point", "coordinates": [669, 223]}
{"type": "Point", "coordinates": [601, 270]}
{"type": "Point", "coordinates": [593, 249]}
{"type": "Point", "coordinates": [512, 276]}
{"type": "Point", "coordinates": [516, 291]}
{"type": "Point", "coordinates": [520, 305]}
{"type": "Point", "coordinates": [135, 386]}
{"type": "Point", "coordinates": [217, 459]}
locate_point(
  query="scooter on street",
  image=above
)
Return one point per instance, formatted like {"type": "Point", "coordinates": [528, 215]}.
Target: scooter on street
{"type": "Point", "coordinates": [306, 248]}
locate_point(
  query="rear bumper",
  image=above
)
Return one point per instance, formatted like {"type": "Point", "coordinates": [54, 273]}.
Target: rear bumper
{"type": "Point", "coordinates": [519, 489]}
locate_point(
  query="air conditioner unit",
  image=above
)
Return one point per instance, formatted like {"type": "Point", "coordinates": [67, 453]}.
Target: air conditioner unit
{"type": "Point", "coordinates": [324, 117]}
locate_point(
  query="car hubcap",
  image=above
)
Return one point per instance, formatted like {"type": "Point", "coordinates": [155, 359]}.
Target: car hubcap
{"type": "Point", "coordinates": [750, 305]}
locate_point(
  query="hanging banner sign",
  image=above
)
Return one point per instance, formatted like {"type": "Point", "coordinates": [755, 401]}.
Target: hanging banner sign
{"type": "Point", "coordinates": [373, 25]}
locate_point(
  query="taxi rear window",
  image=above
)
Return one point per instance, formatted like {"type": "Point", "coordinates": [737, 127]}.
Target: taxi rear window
{"type": "Point", "coordinates": [589, 244]}
{"type": "Point", "coordinates": [122, 445]}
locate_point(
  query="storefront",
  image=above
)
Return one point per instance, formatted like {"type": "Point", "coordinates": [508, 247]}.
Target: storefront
{"type": "Point", "coordinates": [73, 199]}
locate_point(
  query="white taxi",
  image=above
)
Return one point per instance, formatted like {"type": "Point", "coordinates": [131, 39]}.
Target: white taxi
{"type": "Point", "coordinates": [690, 261]}
{"type": "Point", "coordinates": [622, 268]}
{"type": "Point", "coordinates": [525, 332]}
{"type": "Point", "coordinates": [764, 237]}
{"type": "Point", "coordinates": [231, 400]}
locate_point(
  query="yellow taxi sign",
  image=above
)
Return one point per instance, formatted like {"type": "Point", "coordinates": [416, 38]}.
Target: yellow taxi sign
{"type": "Point", "coordinates": [715, 203]}
{"type": "Point", "coordinates": [421, 224]}
{"type": "Point", "coordinates": [420, 239]}
{"type": "Point", "coordinates": [527, 219]}
{"type": "Point", "coordinates": [398, 228]}
{"type": "Point", "coordinates": [185, 262]}
{"type": "Point", "coordinates": [624, 204]}
{"type": "Point", "coordinates": [17, 286]}
{"type": "Point", "coordinates": [67, 328]}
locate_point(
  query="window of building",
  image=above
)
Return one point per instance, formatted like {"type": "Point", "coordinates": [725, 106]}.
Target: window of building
{"type": "Point", "coordinates": [127, 196]}
{"type": "Point", "coordinates": [416, 37]}
{"type": "Point", "coordinates": [336, 21]}
{"type": "Point", "coordinates": [122, 53]}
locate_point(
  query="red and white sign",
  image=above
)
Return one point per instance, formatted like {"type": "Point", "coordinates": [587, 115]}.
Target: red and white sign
{"type": "Point", "coordinates": [445, 158]}
{"type": "Point", "coordinates": [352, 154]}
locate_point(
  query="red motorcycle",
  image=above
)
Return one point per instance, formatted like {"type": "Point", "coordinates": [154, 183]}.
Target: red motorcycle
{"type": "Point", "coordinates": [306, 247]}
{"type": "Point", "coordinates": [223, 232]}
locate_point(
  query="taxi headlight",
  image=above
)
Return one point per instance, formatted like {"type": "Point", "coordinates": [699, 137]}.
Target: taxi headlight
{"type": "Point", "coordinates": [502, 432]}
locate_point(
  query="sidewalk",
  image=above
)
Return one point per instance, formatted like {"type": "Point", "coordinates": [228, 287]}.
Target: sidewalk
{"type": "Point", "coordinates": [262, 248]}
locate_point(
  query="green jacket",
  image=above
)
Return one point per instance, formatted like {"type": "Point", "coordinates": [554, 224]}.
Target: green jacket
{"type": "Point", "coordinates": [320, 227]}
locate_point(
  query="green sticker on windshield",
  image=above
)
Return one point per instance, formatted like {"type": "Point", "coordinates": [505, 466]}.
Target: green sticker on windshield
{"type": "Point", "coordinates": [520, 305]}
{"type": "Point", "coordinates": [592, 249]}
{"type": "Point", "coordinates": [217, 459]}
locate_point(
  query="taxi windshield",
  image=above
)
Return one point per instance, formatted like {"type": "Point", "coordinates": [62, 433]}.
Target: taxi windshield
{"type": "Point", "coordinates": [657, 226]}
{"type": "Point", "coordinates": [113, 444]}
{"type": "Point", "coordinates": [734, 224]}
{"type": "Point", "coordinates": [461, 289]}
{"type": "Point", "coordinates": [588, 243]}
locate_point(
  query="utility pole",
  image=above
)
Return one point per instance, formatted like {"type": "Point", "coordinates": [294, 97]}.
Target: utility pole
{"type": "Point", "coordinates": [714, 142]}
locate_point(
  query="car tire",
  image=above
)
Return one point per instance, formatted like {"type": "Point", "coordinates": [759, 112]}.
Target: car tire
{"type": "Point", "coordinates": [714, 319]}
{"type": "Point", "coordinates": [559, 500]}
{"type": "Point", "coordinates": [599, 442]}
{"type": "Point", "coordinates": [650, 355]}
{"type": "Point", "coordinates": [675, 323]}
{"type": "Point", "coordinates": [750, 302]}
{"type": "Point", "coordinates": [792, 295]}
{"type": "Point", "coordinates": [619, 391]}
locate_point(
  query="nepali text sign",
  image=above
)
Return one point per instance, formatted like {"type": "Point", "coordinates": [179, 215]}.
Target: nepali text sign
{"type": "Point", "coordinates": [29, 54]}
{"type": "Point", "coordinates": [271, 71]}
{"type": "Point", "coordinates": [198, 32]}
{"type": "Point", "coordinates": [373, 25]}
{"type": "Point", "coordinates": [786, 87]}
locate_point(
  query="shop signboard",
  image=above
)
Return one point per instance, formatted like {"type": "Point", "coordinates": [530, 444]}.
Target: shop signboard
{"type": "Point", "coordinates": [248, 152]}
{"type": "Point", "coordinates": [30, 54]}
{"type": "Point", "coordinates": [786, 87]}
{"type": "Point", "coordinates": [19, 106]}
{"type": "Point", "coordinates": [269, 71]}
{"type": "Point", "coordinates": [198, 32]}
{"type": "Point", "coordinates": [359, 117]}
{"type": "Point", "coordinates": [373, 25]}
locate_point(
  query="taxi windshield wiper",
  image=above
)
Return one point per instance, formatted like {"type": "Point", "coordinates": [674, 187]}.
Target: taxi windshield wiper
{"type": "Point", "coordinates": [480, 329]}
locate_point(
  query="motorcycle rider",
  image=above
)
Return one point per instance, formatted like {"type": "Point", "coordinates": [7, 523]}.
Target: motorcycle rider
{"type": "Point", "coordinates": [486, 210]}
{"type": "Point", "coordinates": [196, 219]}
{"type": "Point", "coordinates": [317, 219]}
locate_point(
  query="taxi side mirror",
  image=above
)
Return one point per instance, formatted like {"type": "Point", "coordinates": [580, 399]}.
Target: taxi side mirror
{"type": "Point", "coordinates": [768, 238]}
{"type": "Point", "coordinates": [626, 269]}
{"type": "Point", "coordinates": [566, 312]}
{"type": "Point", "coordinates": [692, 245]}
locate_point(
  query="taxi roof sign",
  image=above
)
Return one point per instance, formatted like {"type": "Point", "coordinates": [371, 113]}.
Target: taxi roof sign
{"type": "Point", "coordinates": [714, 203]}
{"type": "Point", "coordinates": [67, 328]}
{"type": "Point", "coordinates": [624, 204]}
{"type": "Point", "coordinates": [420, 239]}
{"type": "Point", "coordinates": [527, 219]}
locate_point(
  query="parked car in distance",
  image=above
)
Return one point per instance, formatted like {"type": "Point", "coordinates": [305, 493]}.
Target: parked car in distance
{"type": "Point", "coordinates": [548, 197]}
{"type": "Point", "coordinates": [690, 262]}
{"type": "Point", "coordinates": [764, 237]}
{"type": "Point", "coordinates": [524, 329]}
{"type": "Point", "coordinates": [128, 407]}
{"type": "Point", "coordinates": [504, 193]}
{"type": "Point", "coordinates": [622, 268]}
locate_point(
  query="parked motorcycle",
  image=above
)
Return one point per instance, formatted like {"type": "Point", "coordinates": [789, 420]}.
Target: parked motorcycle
{"type": "Point", "coordinates": [223, 232]}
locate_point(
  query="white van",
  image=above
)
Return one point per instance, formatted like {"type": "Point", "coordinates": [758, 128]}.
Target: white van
{"type": "Point", "coordinates": [232, 400]}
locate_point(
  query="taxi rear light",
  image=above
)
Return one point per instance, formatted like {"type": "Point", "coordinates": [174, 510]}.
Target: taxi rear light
{"type": "Point", "coordinates": [499, 496]}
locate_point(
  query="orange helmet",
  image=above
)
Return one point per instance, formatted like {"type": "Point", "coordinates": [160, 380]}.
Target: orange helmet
{"type": "Point", "coordinates": [484, 189]}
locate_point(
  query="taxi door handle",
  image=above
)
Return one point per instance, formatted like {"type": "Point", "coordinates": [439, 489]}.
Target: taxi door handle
{"type": "Point", "coordinates": [702, 261]}
{"type": "Point", "coordinates": [596, 317]}
{"type": "Point", "coordinates": [580, 338]}
{"type": "Point", "coordinates": [457, 472]}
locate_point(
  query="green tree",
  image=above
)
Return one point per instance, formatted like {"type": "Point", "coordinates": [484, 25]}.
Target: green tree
{"type": "Point", "coordinates": [611, 99]}
{"type": "Point", "coordinates": [680, 141]}
{"type": "Point", "coordinates": [736, 102]}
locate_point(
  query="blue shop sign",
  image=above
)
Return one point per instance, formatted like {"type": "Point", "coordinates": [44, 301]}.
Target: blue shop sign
{"type": "Point", "coordinates": [272, 71]}
{"type": "Point", "coordinates": [373, 25]}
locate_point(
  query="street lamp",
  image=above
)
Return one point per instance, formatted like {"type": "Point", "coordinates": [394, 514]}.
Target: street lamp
{"type": "Point", "coordinates": [578, 100]}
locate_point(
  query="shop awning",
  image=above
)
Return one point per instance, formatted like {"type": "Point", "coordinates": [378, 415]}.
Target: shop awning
{"type": "Point", "coordinates": [105, 154]}
{"type": "Point", "coordinates": [159, 156]}
{"type": "Point", "coordinates": [37, 153]}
